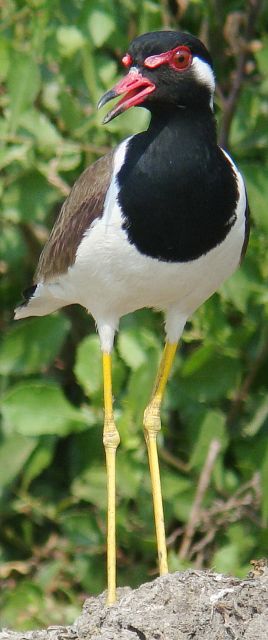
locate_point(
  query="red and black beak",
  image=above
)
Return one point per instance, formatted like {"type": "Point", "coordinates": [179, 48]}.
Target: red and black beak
{"type": "Point", "coordinates": [135, 87]}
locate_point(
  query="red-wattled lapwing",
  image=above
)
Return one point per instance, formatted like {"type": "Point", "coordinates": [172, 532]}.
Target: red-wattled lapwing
{"type": "Point", "coordinates": [161, 221]}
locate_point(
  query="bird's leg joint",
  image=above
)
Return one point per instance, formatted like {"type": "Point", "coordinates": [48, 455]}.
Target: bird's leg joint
{"type": "Point", "coordinates": [152, 422]}
{"type": "Point", "coordinates": [111, 438]}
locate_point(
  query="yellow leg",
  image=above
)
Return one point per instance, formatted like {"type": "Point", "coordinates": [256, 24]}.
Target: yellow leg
{"type": "Point", "coordinates": [152, 426]}
{"type": "Point", "coordinates": [111, 441]}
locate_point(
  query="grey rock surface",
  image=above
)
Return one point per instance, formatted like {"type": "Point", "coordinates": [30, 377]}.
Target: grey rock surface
{"type": "Point", "coordinates": [199, 605]}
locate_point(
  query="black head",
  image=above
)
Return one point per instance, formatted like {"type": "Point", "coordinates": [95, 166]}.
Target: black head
{"type": "Point", "coordinates": [164, 67]}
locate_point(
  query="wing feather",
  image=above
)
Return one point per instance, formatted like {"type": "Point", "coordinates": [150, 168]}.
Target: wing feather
{"type": "Point", "coordinates": [84, 205]}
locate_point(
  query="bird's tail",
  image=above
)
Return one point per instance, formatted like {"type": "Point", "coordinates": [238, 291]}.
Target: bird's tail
{"type": "Point", "coordinates": [37, 301]}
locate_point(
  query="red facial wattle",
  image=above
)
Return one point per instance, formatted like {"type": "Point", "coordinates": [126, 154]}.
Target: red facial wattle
{"type": "Point", "coordinates": [127, 60]}
{"type": "Point", "coordinates": [179, 59]}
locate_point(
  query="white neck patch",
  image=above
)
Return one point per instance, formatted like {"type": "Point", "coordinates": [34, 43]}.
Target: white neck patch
{"type": "Point", "coordinates": [204, 75]}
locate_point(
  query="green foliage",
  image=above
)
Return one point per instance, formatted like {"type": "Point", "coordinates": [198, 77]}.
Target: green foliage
{"type": "Point", "coordinates": [29, 347]}
{"type": "Point", "coordinates": [56, 60]}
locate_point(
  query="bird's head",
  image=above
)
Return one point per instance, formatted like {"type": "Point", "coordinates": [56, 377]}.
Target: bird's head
{"type": "Point", "coordinates": [164, 67]}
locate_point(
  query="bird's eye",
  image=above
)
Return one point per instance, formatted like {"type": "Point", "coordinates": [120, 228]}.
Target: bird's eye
{"type": "Point", "coordinates": [181, 59]}
{"type": "Point", "coordinates": [127, 60]}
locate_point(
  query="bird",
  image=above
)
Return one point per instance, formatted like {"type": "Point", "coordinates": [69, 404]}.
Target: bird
{"type": "Point", "coordinates": [160, 221]}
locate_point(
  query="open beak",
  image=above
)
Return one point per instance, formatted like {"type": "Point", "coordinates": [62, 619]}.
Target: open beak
{"type": "Point", "coordinates": [135, 87]}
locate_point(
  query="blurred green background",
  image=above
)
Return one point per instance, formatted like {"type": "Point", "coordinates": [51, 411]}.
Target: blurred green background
{"type": "Point", "coordinates": [56, 60]}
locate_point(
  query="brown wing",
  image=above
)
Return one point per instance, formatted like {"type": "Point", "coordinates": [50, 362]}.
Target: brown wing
{"type": "Point", "coordinates": [83, 205]}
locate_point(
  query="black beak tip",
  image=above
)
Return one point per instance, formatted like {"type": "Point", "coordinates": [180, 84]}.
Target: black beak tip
{"type": "Point", "coordinates": [109, 95]}
{"type": "Point", "coordinates": [106, 119]}
{"type": "Point", "coordinates": [100, 103]}
{"type": "Point", "coordinates": [111, 115]}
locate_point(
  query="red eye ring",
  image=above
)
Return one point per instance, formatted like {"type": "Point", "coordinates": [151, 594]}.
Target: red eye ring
{"type": "Point", "coordinates": [179, 59]}
{"type": "Point", "coordinates": [127, 60]}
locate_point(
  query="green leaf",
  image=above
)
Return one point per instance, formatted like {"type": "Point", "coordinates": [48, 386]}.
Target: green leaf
{"type": "Point", "coordinates": [197, 360]}
{"type": "Point", "coordinates": [257, 187]}
{"type": "Point", "coordinates": [173, 484]}
{"type": "Point", "coordinates": [262, 56]}
{"type": "Point", "coordinates": [50, 95]}
{"type": "Point", "coordinates": [23, 86]}
{"type": "Point", "coordinates": [107, 72]}
{"type": "Point", "coordinates": [231, 555]}
{"type": "Point", "coordinates": [238, 289]}
{"type": "Point", "coordinates": [91, 572]}
{"type": "Point", "coordinates": [88, 365]}
{"type": "Point", "coordinates": [131, 348]}
{"type": "Point", "coordinates": [45, 134]}
{"type": "Point", "coordinates": [70, 40]}
{"type": "Point", "coordinates": [68, 158]}
{"type": "Point", "coordinates": [29, 347]}
{"type": "Point", "coordinates": [91, 486]}
{"type": "Point", "coordinates": [34, 197]}
{"type": "Point", "coordinates": [88, 368]}
{"type": "Point", "coordinates": [226, 559]}
{"type": "Point", "coordinates": [38, 408]}
{"type": "Point", "coordinates": [264, 482]}
{"type": "Point", "coordinates": [71, 111]}
{"type": "Point", "coordinates": [100, 25]}
{"type": "Point", "coordinates": [181, 507]}
{"type": "Point", "coordinates": [140, 388]}
{"type": "Point", "coordinates": [15, 153]}
{"type": "Point", "coordinates": [14, 452]}
{"type": "Point", "coordinates": [81, 530]}
{"type": "Point", "coordinates": [40, 459]}
{"type": "Point", "coordinates": [210, 377]}
{"type": "Point", "coordinates": [4, 58]}
{"type": "Point", "coordinates": [27, 596]}
{"type": "Point", "coordinates": [213, 427]}
{"type": "Point", "coordinates": [258, 419]}
{"type": "Point", "coordinates": [129, 475]}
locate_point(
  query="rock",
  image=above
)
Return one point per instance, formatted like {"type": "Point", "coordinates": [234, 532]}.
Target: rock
{"type": "Point", "coordinates": [199, 605]}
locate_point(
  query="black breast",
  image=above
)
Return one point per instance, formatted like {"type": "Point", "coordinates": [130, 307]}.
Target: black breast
{"type": "Point", "coordinates": [177, 190]}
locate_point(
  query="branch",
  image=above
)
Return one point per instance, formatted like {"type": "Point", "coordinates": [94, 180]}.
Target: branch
{"type": "Point", "coordinates": [202, 486]}
{"type": "Point", "coordinates": [168, 457]}
{"type": "Point", "coordinates": [244, 503]}
{"type": "Point", "coordinates": [242, 393]}
{"type": "Point", "coordinates": [55, 179]}
{"type": "Point", "coordinates": [241, 48]}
